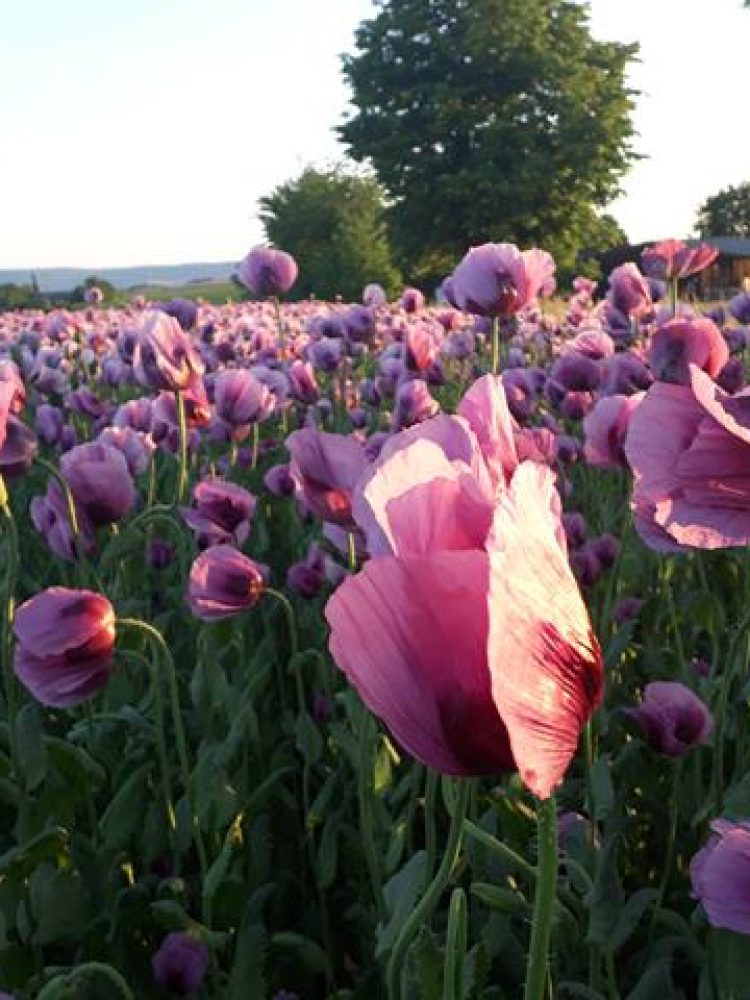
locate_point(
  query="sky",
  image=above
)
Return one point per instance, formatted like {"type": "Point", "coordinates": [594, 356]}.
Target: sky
{"type": "Point", "coordinates": [144, 131]}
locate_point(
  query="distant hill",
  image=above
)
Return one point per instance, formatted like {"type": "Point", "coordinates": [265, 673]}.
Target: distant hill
{"type": "Point", "coordinates": [64, 279]}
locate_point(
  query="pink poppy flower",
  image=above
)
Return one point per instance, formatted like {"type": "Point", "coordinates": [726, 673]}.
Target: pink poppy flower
{"type": "Point", "coordinates": [674, 259]}
{"type": "Point", "coordinates": [689, 448]}
{"type": "Point", "coordinates": [606, 427]}
{"type": "Point", "coordinates": [720, 873]}
{"type": "Point", "coordinates": [64, 644]}
{"type": "Point", "coordinates": [327, 467]}
{"type": "Point", "coordinates": [223, 583]}
{"type": "Point", "coordinates": [466, 633]}
{"type": "Point", "coordinates": [685, 341]}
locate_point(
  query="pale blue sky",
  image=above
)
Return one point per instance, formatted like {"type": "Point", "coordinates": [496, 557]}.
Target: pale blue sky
{"type": "Point", "coordinates": [144, 131]}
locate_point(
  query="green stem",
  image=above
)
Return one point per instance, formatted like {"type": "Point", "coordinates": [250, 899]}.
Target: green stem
{"type": "Point", "coordinates": [366, 819]}
{"type": "Point", "coordinates": [182, 424]}
{"type": "Point", "coordinates": [179, 730]}
{"type": "Point", "coordinates": [430, 833]}
{"type": "Point", "coordinates": [455, 947]}
{"type": "Point", "coordinates": [256, 445]}
{"type": "Point", "coordinates": [544, 901]}
{"type": "Point", "coordinates": [673, 295]}
{"type": "Point", "coordinates": [59, 987]}
{"type": "Point", "coordinates": [11, 574]}
{"type": "Point", "coordinates": [495, 344]}
{"type": "Point", "coordinates": [422, 912]}
{"type": "Point", "coordinates": [669, 856]}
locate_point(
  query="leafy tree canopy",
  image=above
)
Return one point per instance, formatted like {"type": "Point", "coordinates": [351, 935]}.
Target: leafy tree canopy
{"type": "Point", "coordinates": [489, 120]}
{"type": "Point", "coordinates": [726, 213]}
{"type": "Point", "coordinates": [331, 221]}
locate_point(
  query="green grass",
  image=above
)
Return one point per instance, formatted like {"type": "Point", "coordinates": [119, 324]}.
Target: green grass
{"type": "Point", "coordinates": [216, 292]}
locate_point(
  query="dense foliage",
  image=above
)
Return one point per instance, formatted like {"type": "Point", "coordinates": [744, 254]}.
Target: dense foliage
{"type": "Point", "coordinates": [331, 221]}
{"type": "Point", "coordinates": [488, 117]}
{"type": "Point", "coordinates": [726, 213]}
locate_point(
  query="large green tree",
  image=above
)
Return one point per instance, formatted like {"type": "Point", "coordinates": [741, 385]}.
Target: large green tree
{"type": "Point", "coordinates": [331, 221]}
{"type": "Point", "coordinates": [489, 120]}
{"type": "Point", "coordinates": [726, 213]}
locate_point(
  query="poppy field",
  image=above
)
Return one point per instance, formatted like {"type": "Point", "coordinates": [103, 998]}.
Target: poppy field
{"type": "Point", "coordinates": [375, 650]}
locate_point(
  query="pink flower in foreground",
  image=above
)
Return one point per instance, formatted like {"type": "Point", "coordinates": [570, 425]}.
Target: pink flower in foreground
{"type": "Point", "coordinates": [689, 448]}
{"type": "Point", "coordinates": [674, 259]}
{"type": "Point", "coordinates": [466, 633]}
{"type": "Point", "coordinates": [64, 644]}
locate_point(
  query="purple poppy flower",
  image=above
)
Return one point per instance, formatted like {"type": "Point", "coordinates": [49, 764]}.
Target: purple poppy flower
{"type": "Point", "coordinates": [685, 341]}
{"type": "Point", "coordinates": [673, 719]}
{"type": "Point", "coordinates": [629, 291]}
{"type": "Point", "coordinates": [64, 644]}
{"type": "Point", "coordinates": [373, 296]}
{"type": "Point", "coordinates": [720, 874]}
{"type": "Point", "coordinates": [164, 358]}
{"type": "Point", "coordinates": [223, 583]}
{"type": "Point", "coordinates": [266, 271]}
{"type": "Point", "coordinates": [181, 963]}
{"type": "Point", "coordinates": [183, 310]}
{"type": "Point", "coordinates": [18, 450]}
{"type": "Point", "coordinates": [606, 427]}
{"type": "Point", "coordinates": [100, 481]}
{"type": "Point", "coordinates": [674, 259]}
{"type": "Point", "coordinates": [412, 300]}
{"type": "Point", "coordinates": [136, 447]}
{"type": "Point", "coordinates": [302, 381]}
{"type": "Point", "coordinates": [739, 307]}
{"type": "Point", "coordinates": [280, 482]}
{"type": "Point", "coordinates": [160, 553]}
{"type": "Point", "coordinates": [221, 513]}
{"type": "Point", "coordinates": [327, 466]}
{"type": "Point", "coordinates": [497, 279]}
{"type": "Point", "coordinates": [627, 610]}
{"type": "Point", "coordinates": [414, 404]}
{"type": "Point", "coordinates": [241, 399]}
{"type": "Point", "coordinates": [51, 518]}
{"type": "Point", "coordinates": [49, 423]}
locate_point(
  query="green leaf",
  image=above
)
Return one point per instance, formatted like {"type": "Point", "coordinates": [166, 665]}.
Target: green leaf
{"type": "Point", "coordinates": [32, 751]}
{"type": "Point", "coordinates": [59, 904]}
{"type": "Point", "coordinates": [401, 893]}
{"type": "Point", "coordinates": [655, 983]}
{"type": "Point", "coordinates": [220, 866]}
{"type": "Point", "coordinates": [124, 814]}
{"type": "Point", "coordinates": [247, 977]}
{"type": "Point", "coordinates": [502, 900]}
{"type": "Point", "coordinates": [328, 851]}
{"type": "Point", "coordinates": [630, 916]}
{"type": "Point", "coordinates": [730, 959]}
{"type": "Point", "coordinates": [308, 738]}
{"type": "Point", "coordinates": [604, 793]}
{"type": "Point", "coordinates": [49, 845]}
{"type": "Point", "coordinates": [427, 962]}
{"type": "Point", "coordinates": [172, 917]}
{"type": "Point", "coordinates": [606, 896]}
{"type": "Point", "coordinates": [307, 951]}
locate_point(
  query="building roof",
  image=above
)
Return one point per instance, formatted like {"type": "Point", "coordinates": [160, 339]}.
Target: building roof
{"type": "Point", "coordinates": [728, 246]}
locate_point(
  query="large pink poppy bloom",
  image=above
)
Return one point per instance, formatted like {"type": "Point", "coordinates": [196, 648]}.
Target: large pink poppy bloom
{"type": "Point", "coordinates": [689, 448]}
{"type": "Point", "coordinates": [466, 632]}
